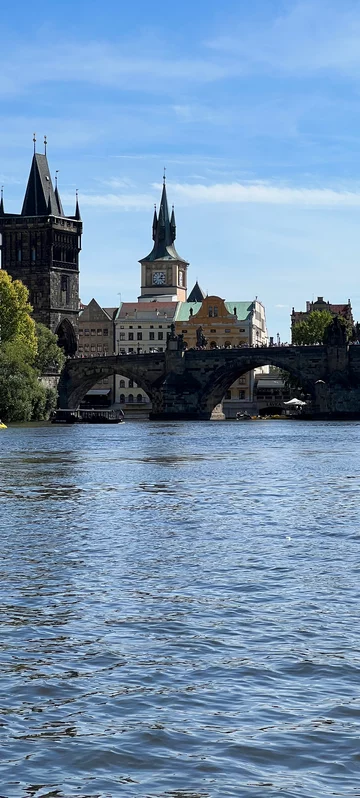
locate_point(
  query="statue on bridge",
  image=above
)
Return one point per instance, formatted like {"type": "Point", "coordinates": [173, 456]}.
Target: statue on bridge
{"type": "Point", "coordinates": [201, 341]}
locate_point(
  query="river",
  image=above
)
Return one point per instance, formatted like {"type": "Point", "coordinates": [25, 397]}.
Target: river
{"type": "Point", "coordinates": [180, 610]}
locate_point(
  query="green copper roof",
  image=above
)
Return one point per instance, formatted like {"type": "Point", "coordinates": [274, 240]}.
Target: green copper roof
{"type": "Point", "coordinates": [243, 310]}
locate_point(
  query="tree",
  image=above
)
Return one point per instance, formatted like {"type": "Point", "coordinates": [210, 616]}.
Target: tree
{"type": "Point", "coordinates": [49, 354]}
{"type": "Point", "coordinates": [312, 329]}
{"type": "Point", "coordinates": [15, 320]}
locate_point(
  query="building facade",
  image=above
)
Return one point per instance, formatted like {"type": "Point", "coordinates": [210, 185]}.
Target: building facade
{"type": "Point", "coordinates": [96, 339]}
{"type": "Point", "coordinates": [140, 327]}
{"type": "Point", "coordinates": [343, 310]}
{"type": "Point", "coordinates": [41, 246]}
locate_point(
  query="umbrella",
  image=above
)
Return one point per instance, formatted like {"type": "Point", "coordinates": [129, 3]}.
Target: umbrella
{"type": "Point", "coordinates": [295, 403]}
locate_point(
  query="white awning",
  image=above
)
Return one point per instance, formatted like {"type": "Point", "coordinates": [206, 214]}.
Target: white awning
{"type": "Point", "coordinates": [98, 392]}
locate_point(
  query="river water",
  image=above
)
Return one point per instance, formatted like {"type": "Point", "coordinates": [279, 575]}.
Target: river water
{"type": "Point", "coordinates": [180, 610]}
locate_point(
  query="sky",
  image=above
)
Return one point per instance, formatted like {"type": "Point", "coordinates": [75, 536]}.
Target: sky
{"type": "Point", "coordinates": [254, 110]}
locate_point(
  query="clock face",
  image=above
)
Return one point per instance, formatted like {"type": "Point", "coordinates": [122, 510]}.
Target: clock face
{"type": "Point", "coordinates": [159, 278]}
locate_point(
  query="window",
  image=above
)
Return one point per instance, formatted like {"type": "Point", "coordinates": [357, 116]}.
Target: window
{"type": "Point", "coordinates": [160, 349]}
{"type": "Point", "coordinates": [151, 336]}
{"type": "Point", "coordinates": [242, 380]}
{"type": "Point", "coordinates": [122, 384]}
{"type": "Point", "coordinates": [185, 331]}
{"type": "Point", "coordinates": [99, 332]}
{"type": "Point", "coordinates": [228, 395]}
{"type": "Point", "coordinates": [64, 287]}
{"type": "Point", "coordinates": [151, 326]}
{"type": "Point", "coordinates": [139, 397]}
{"type": "Point", "coordinates": [99, 349]}
{"type": "Point", "coordinates": [241, 394]}
{"type": "Point", "coordinates": [81, 331]}
{"type": "Point", "coordinates": [81, 349]}
{"type": "Point", "coordinates": [86, 346]}
{"type": "Point", "coordinates": [130, 350]}
{"type": "Point", "coordinates": [19, 255]}
{"type": "Point", "coordinates": [213, 331]}
{"type": "Point", "coordinates": [105, 331]}
{"type": "Point", "coordinates": [106, 348]}
{"type": "Point", "coordinates": [93, 332]}
{"type": "Point", "coordinates": [131, 336]}
{"type": "Point", "coordinates": [160, 336]}
{"type": "Point", "coordinates": [139, 336]}
{"type": "Point", "coordinates": [130, 398]}
{"type": "Point", "coordinates": [139, 326]}
{"type": "Point", "coordinates": [210, 311]}
{"type": "Point", "coordinates": [122, 398]}
{"type": "Point", "coordinates": [216, 311]}
{"type": "Point", "coordinates": [131, 383]}
{"type": "Point", "coordinates": [227, 332]}
{"type": "Point", "coordinates": [213, 344]}
{"type": "Point", "coordinates": [122, 336]}
{"type": "Point", "coordinates": [86, 331]}
{"type": "Point", "coordinates": [33, 254]}
{"type": "Point", "coordinates": [93, 348]}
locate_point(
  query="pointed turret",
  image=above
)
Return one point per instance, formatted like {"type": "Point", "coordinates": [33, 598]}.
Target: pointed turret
{"type": "Point", "coordinates": [40, 199]}
{"type": "Point", "coordinates": [173, 224]}
{"type": "Point", "coordinates": [2, 212]}
{"type": "Point", "coordinates": [155, 224]}
{"type": "Point", "coordinates": [77, 209]}
{"type": "Point", "coordinates": [164, 233]}
{"type": "Point", "coordinates": [58, 202]}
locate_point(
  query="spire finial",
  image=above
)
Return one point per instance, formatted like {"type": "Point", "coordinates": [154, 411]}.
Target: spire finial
{"type": "Point", "coordinates": [45, 143]}
{"type": "Point", "coordinates": [164, 176]}
{"type": "Point", "coordinates": [34, 140]}
{"type": "Point", "coordinates": [56, 174]}
{"type": "Point", "coordinates": [2, 192]}
{"type": "Point", "coordinates": [77, 194]}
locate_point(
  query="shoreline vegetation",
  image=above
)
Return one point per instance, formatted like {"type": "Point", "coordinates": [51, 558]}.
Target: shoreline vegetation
{"type": "Point", "coordinates": [27, 350]}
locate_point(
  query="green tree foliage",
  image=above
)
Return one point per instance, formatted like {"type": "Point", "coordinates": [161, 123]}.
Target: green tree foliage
{"type": "Point", "coordinates": [15, 320]}
{"type": "Point", "coordinates": [311, 331]}
{"type": "Point", "coordinates": [24, 354]}
{"type": "Point", "coordinates": [49, 355]}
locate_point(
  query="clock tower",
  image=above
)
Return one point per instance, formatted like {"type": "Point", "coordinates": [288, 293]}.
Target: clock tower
{"type": "Point", "coordinates": [163, 272]}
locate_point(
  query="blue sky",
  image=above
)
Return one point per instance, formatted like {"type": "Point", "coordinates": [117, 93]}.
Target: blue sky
{"type": "Point", "coordinates": [254, 108]}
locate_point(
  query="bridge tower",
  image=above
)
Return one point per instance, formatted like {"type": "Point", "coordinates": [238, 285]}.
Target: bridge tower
{"type": "Point", "coordinates": [40, 246]}
{"type": "Point", "coordinates": [163, 271]}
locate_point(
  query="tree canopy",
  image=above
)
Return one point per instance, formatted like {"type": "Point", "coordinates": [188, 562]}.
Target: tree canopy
{"type": "Point", "coordinates": [312, 330]}
{"type": "Point", "coordinates": [26, 351]}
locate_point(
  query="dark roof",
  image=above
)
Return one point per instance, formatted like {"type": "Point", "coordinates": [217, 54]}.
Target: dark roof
{"type": "Point", "coordinates": [197, 294]}
{"type": "Point", "coordinates": [164, 233]}
{"type": "Point", "coordinates": [40, 197]}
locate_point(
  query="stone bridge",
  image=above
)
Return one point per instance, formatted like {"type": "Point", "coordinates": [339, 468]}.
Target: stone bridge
{"type": "Point", "coordinates": [189, 384]}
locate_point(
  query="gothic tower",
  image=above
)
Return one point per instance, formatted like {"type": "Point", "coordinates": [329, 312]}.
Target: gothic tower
{"type": "Point", "coordinates": [163, 272]}
{"type": "Point", "coordinates": [40, 246]}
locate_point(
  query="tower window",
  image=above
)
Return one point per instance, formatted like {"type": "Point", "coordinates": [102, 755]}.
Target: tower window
{"type": "Point", "coordinates": [65, 293]}
{"type": "Point", "coordinates": [210, 310]}
{"type": "Point", "coordinates": [216, 311]}
{"type": "Point", "coordinates": [105, 331]}
{"type": "Point", "coordinates": [19, 255]}
{"type": "Point", "coordinates": [33, 254]}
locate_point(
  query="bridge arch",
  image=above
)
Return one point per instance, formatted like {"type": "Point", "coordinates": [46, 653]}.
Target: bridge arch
{"type": "Point", "coordinates": [230, 369]}
{"type": "Point", "coordinates": [80, 374]}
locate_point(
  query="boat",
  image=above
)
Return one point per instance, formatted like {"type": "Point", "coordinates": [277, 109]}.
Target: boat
{"type": "Point", "coordinates": [243, 416]}
{"type": "Point", "coordinates": [87, 416]}
{"type": "Point", "coordinates": [2, 425]}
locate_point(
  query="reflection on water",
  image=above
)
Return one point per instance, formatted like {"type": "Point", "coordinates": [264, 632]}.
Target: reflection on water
{"type": "Point", "coordinates": [179, 610]}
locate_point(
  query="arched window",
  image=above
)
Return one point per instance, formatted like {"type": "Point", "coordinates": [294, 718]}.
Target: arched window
{"type": "Point", "coordinates": [139, 397]}
{"type": "Point", "coordinates": [130, 398]}
{"type": "Point", "coordinates": [210, 310]}
{"type": "Point", "coordinates": [122, 398]}
{"type": "Point", "coordinates": [227, 345]}
{"type": "Point", "coordinates": [213, 344]}
{"type": "Point", "coordinates": [122, 384]}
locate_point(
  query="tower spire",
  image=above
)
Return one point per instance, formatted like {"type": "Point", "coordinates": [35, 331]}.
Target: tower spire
{"type": "Point", "coordinates": [2, 201]}
{"type": "Point", "coordinates": [34, 140]}
{"type": "Point", "coordinates": [155, 224]}
{"type": "Point", "coordinates": [45, 144]}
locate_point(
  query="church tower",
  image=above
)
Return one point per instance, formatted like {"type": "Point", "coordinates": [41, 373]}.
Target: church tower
{"type": "Point", "coordinates": [40, 246]}
{"type": "Point", "coordinates": [163, 272]}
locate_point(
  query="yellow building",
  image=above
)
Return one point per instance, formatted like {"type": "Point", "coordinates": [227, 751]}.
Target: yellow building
{"type": "Point", "coordinates": [226, 324]}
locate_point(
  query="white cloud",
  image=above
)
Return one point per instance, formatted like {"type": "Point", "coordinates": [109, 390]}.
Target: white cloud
{"type": "Point", "coordinates": [230, 193]}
